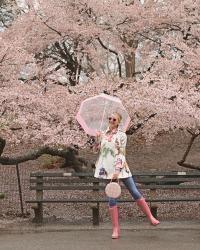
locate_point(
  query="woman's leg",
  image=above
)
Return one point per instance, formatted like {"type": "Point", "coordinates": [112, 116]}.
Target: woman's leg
{"type": "Point", "coordinates": [112, 202]}
{"type": "Point", "coordinates": [130, 184]}
{"type": "Point", "coordinates": [113, 209]}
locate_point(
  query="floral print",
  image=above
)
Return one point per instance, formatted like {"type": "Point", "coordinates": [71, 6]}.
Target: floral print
{"type": "Point", "coordinates": [112, 155]}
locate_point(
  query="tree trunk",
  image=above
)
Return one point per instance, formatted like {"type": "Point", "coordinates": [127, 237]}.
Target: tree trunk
{"type": "Point", "coordinates": [130, 65]}
{"type": "Point", "coordinates": [130, 57]}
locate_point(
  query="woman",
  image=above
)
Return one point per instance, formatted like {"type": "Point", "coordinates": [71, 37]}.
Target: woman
{"type": "Point", "coordinates": [112, 164]}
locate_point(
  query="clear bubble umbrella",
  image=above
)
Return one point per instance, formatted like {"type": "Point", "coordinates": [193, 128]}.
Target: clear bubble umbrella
{"type": "Point", "coordinates": [94, 112]}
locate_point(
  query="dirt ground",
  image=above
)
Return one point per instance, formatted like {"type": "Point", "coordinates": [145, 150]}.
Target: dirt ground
{"type": "Point", "coordinates": [162, 154]}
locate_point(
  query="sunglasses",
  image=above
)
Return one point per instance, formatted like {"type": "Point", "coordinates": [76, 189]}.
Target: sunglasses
{"type": "Point", "coordinates": [112, 119]}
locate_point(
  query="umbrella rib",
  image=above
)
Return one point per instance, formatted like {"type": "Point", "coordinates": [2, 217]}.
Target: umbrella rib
{"type": "Point", "coordinates": [103, 115]}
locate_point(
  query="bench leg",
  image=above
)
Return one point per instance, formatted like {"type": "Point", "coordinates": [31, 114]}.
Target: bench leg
{"type": "Point", "coordinates": [154, 211]}
{"type": "Point", "coordinates": [38, 211]}
{"type": "Point", "coordinates": [95, 215]}
{"type": "Point", "coordinates": [153, 205]}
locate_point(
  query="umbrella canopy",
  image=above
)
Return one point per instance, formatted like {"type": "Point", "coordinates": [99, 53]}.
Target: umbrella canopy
{"type": "Point", "coordinates": [94, 111]}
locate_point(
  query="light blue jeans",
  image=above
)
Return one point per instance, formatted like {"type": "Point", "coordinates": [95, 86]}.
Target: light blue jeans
{"type": "Point", "coordinates": [130, 184]}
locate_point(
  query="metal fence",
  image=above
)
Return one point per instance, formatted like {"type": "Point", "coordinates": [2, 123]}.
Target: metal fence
{"type": "Point", "coordinates": [14, 184]}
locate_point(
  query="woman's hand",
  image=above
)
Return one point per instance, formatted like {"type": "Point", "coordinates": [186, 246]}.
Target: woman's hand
{"type": "Point", "coordinates": [96, 145]}
{"type": "Point", "coordinates": [98, 135]}
{"type": "Point", "coordinates": [115, 176]}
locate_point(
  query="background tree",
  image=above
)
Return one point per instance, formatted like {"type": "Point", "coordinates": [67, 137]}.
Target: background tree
{"type": "Point", "coordinates": [146, 53]}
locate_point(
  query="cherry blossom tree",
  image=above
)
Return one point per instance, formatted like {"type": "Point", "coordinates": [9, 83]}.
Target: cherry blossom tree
{"type": "Point", "coordinates": [144, 52]}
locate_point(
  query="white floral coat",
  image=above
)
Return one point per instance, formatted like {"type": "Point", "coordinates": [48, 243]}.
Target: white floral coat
{"type": "Point", "coordinates": [112, 154]}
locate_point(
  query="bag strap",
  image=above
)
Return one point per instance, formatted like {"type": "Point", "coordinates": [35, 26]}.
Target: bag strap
{"type": "Point", "coordinates": [115, 179]}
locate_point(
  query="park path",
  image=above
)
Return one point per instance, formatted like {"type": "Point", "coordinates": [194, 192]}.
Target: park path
{"type": "Point", "coordinates": [100, 240]}
{"type": "Point", "coordinates": [167, 236]}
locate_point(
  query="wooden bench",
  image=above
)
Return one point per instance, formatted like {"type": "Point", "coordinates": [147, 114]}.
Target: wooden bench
{"type": "Point", "coordinates": [152, 181]}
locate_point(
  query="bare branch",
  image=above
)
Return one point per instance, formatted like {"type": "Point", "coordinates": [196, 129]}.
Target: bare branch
{"type": "Point", "coordinates": [182, 161]}
{"type": "Point", "coordinates": [114, 52]}
{"type": "Point", "coordinates": [188, 148]}
{"type": "Point", "coordinates": [2, 145]}
{"type": "Point", "coordinates": [188, 165]}
{"type": "Point", "coordinates": [33, 155]}
{"type": "Point", "coordinates": [51, 28]}
{"type": "Point", "coordinates": [3, 58]}
{"type": "Point", "coordinates": [3, 112]}
{"type": "Point", "coordinates": [126, 20]}
{"type": "Point", "coordinates": [69, 154]}
{"type": "Point", "coordinates": [139, 125]}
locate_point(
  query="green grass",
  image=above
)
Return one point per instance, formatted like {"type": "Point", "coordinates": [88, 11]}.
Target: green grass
{"type": "Point", "coordinates": [2, 195]}
{"type": "Point", "coordinates": [50, 162]}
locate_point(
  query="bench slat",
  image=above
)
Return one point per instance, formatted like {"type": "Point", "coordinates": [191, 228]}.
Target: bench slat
{"type": "Point", "coordinates": [106, 200]}
{"type": "Point", "coordinates": [139, 180]}
{"type": "Point", "coordinates": [67, 180]}
{"type": "Point", "coordinates": [171, 173]}
{"type": "Point", "coordinates": [67, 187]}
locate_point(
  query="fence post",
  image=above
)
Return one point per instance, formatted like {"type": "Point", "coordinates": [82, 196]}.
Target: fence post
{"type": "Point", "coordinates": [20, 190]}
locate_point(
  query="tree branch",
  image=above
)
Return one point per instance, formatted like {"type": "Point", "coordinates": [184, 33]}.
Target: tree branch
{"type": "Point", "coordinates": [69, 154]}
{"type": "Point", "coordinates": [126, 20]}
{"type": "Point", "coordinates": [158, 41]}
{"type": "Point", "coordinates": [134, 128]}
{"type": "Point", "coordinates": [51, 28]}
{"type": "Point", "coordinates": [182, 163]}
{"type": "Point", "coordinates": [188, 148]}
{"type": "Point", "coordinates": [188, 165]}
{"type": "Point", "coordinates": [2, 145]}
{"type": "Point", "coordinates": [114, 52]}
{"type": "Point", "coordinates": [3, 58]}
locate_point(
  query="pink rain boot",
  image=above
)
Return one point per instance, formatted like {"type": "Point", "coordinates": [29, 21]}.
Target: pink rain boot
{"type": "Point", "coordinates": [115, 223]}
{"type": "Point", "coordinates": [145, 209]}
